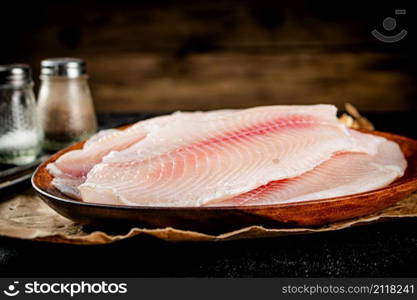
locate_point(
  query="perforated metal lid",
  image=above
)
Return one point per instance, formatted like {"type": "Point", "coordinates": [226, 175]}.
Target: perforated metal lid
{"type": "Point", "coordinates": [65, 66]}
{"type": "Point", "coordinates": [15, 73]}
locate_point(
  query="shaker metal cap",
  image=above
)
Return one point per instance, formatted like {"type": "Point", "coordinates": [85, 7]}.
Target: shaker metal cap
{"type": "Point", "coordinates": [66, 67]}
{"type": "Point", "coordinates": [15, 74]}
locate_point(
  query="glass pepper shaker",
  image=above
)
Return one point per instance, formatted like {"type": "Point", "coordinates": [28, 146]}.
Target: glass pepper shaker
{"type": "Point", "coordinates": [20, 132]}
{"type": "Point", "coordinates": [65, 105]}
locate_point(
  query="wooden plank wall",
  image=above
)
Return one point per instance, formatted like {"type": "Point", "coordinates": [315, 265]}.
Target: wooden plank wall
{"type": "Point", "coordinates": [169, 55]}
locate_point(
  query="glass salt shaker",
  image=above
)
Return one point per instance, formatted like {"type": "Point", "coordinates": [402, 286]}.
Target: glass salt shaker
{"type": "Point", "coordinates": [20, 132]}
{"type": "Point", "coordinates": [65, 105]}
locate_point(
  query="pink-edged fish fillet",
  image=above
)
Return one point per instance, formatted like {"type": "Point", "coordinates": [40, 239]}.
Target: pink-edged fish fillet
{"type": "Point", "coordinates": [70, 169]}
{"type": "Point", "coordinates": [193, 162]}
{"type": "Point", "coordinates": [345, 173]}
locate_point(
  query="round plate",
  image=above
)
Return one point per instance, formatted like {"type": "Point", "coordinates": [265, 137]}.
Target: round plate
{"type": "Point", "coordinates": [211, 219]}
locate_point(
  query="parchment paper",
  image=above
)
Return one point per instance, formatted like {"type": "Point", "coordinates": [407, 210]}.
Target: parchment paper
{"type": "Point", "coordinates": [25, 216]}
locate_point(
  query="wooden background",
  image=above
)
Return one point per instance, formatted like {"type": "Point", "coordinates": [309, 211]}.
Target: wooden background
{"type": "Point", "coordinates": [169, 55]}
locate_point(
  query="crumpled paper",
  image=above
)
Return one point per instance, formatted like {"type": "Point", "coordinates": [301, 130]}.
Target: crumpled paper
{"type": "Point", "coordinates": [26, 216]}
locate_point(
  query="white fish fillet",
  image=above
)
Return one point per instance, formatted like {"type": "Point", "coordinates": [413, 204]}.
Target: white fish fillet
{"type": "Point", "coordinates": [192, 162]}
{"type": "Point", "coordinates": [344, 174]}
{"type": "Point", "coordinates": [70, 169]}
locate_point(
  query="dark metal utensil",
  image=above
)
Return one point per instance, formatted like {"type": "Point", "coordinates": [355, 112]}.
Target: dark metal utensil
{"type": "Point", "coordinates": [18, 174]}
{"type": "Point", "coordinates": [14, 170]}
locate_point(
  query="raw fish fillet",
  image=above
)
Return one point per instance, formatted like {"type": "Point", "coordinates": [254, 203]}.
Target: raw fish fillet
{"type": "Point", "coordinates": [345, 173]}
{"type": "Point", "coordinates": [78, 163]}
{"type": "Point", "coordinates": [72, 167]}
{"type": "Point", "coordinates": [192, 162]}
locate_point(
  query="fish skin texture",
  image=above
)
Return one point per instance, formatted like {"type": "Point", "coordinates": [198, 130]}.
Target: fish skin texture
{"type": "Point", "coordinates": [344, 174]}
{"type": "Point", "coordinates": [194, 162]}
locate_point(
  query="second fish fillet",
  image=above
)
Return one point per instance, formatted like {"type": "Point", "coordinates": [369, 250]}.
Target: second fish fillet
{"type": "Point", "coordinates": [344, 174]}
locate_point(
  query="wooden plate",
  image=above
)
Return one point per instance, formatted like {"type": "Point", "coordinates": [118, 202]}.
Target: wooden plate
{"type": "Point", "coordinates": [212, 219]}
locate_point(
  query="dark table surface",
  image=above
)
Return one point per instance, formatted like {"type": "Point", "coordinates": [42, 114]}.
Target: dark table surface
{"type": "Point", "coordinates": [385, 249]}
